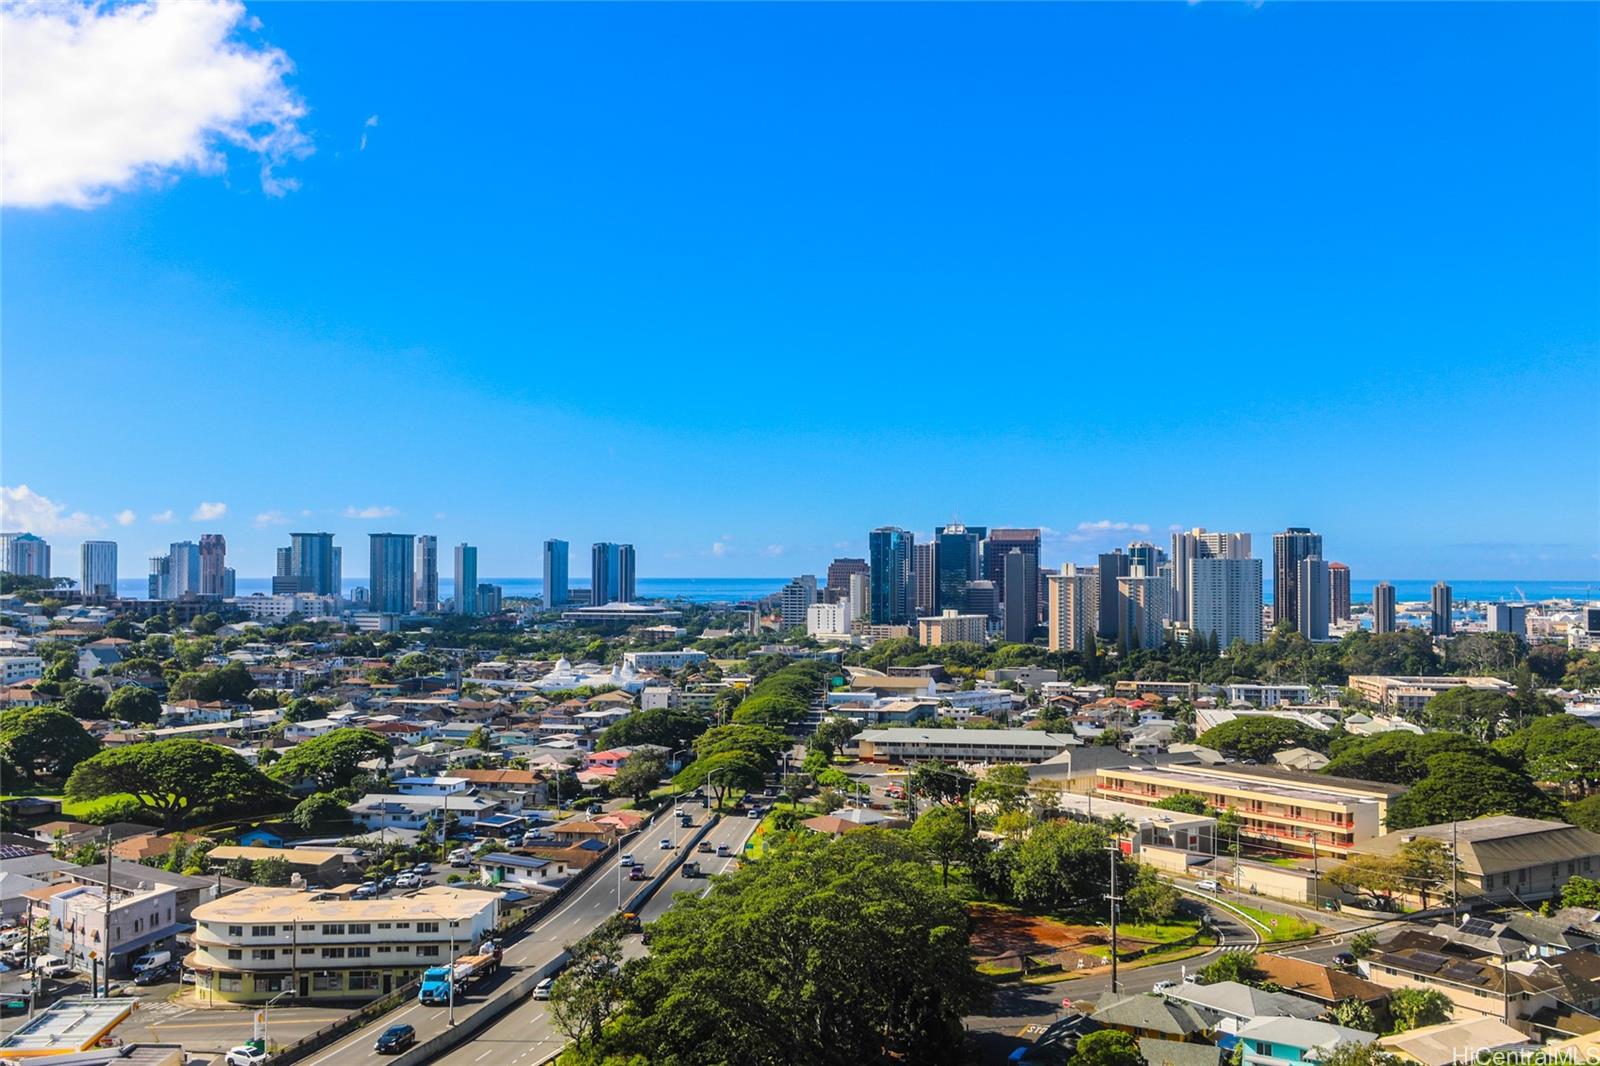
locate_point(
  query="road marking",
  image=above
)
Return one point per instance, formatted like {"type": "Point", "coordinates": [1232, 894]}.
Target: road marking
{"type": "Point", "coordinates": [485, 1055]}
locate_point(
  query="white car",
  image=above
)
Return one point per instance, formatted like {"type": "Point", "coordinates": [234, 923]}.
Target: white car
{"type": "Point", "coordinates": [627, 860]}
{"type": "Point", "coordinates": [407, 881]}
{"type": "Point", "coordinates": [666, 845]}
{"type": "Point", "coordinates": [542, 989]}
{"type": "Point", "coordinates": [245, 1055]}
{"type": "Point", "coordinates": [1208, 885]}
{"type": "Point", "coordinates": [1161, 986]}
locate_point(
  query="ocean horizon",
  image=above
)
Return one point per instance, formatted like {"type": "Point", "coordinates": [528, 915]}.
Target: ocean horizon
{"type": "Point", "coordinates": [737, 589]}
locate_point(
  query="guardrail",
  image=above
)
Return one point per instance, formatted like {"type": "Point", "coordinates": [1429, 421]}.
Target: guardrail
{"type": "Point", "coordinates": [361, 1016]}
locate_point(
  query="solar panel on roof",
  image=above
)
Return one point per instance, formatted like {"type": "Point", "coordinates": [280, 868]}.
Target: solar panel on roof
{"type": "Point", "coordinates": [1463, 971]}
{"type": "Point", "coordinates": [1427, 960]}
{"type": "Point", "coordinates": [1477, 927]}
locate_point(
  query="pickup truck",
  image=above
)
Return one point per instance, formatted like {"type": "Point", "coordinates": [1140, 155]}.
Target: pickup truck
{"type": "Point", "coordinates": [436, 980]}
{"type": "Point", "coordinates": [52, 966]}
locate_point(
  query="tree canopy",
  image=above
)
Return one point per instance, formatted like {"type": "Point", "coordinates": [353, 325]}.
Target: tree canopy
{"type": "Point", "coordinates": [231, 684]}
{"type": "Point", "coordinates": [332, 760]}
{"type": "Point", "coordinates": [826, 952]}
{"type": "Point", "coordinates": [176, 780]}
{"type": "Point", "coordinates": [722, 773]}
{"type": "Point", "coordinates": [1258, 737]}
{"type": "Point", "coordinates": [44, 742]}
{"type": "Point", "coordinates": [670, 728]}
{"type": "Point", "coordinates": [1461, 786]}
{"type": "Point", "coordinates": [134, 703]}
{"type": "Point", "coordinates": [1398, 757]}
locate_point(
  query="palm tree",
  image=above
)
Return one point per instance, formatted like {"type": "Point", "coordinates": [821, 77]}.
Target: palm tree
{"type": "Point", "coordinates": [1120, 826]}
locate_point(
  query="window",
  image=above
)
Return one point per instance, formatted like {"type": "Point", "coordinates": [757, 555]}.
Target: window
{"type": "Point", "coordinates": [333, 953]}
{"type": "Point", "coordinates": [428, 951]}
{"type": "Point", "coordinates": [383, 925]}
{"type": "Point", "coordinates": [271, 982]}
{"type": "Point", "coordinates": [427, 927]}
{"type": "Point", "coordinates": [336, 929]}
{"type": "Point", "coordinates": [402, 925]}
{"type": "Point", "coordinates": [229, 983]}
{"type": "Point", "coordinates": [263, 930]}
{"type": "Point", "coordinates": [308, 951]}
{"type": "Point", "coordinates": [363, 981]}
{"type": "Point", "coordinates": [360, 928]}
{"type": "Point", "coordinates": [236, 930]}
{"type": "Point", "coordinates": [327, 981]}
{"type": "Point", "coordinates": [263, 954]}
{"type": "Point", "coordinates": [234, 954]}
{"type": "Point", "coordinates": [360, 953]}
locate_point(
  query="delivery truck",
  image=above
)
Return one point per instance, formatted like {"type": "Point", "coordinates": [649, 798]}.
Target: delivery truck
{"type": "Point", "coordinates": [437, 980]}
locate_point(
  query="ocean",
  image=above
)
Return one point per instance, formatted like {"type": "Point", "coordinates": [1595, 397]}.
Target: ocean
{"type": "Point", "coordinates": [734, 589]}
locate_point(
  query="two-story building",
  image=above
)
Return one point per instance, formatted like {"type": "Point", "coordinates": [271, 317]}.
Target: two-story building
{"type": "Point", "coordinates": [261, 942]}
{"type": "Point", "coordinates": [87, 933]}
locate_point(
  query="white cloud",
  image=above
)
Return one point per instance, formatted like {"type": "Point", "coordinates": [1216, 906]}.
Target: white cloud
{"type": "Point", "coordinates": [370, 512]}
{"type": "Point", "coordinates": [208, 511]}
{"type": "Point", "coordinates": [773, 550]}
{"type": "Point", "coordinates": [370, 124]}
{"type": "Point", "coordinates": [162, 517]}
{"type": "Point", "coordinates": [271, 518]}
{"type": "Point", "coordinates": [719, 548]}
{"type": "Point", "coordinates": [1099, 529]}
{"type": "Point", "coordinates": [126, 517]}
{"type": "Point", "coordinates": [103, 97]}
{"type": "Point", "coordinates": [26, 511]}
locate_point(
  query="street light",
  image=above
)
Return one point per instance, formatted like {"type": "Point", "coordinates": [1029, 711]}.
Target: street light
{"type": "Point", "coordinates": [265, 1042]}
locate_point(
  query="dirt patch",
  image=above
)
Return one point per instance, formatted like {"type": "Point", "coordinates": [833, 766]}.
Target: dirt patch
{"type": "Point", "coordinates": [1000, 932]}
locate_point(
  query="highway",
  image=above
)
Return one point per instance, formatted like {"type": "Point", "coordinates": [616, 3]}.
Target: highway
{"type": "Point", "coordinates": [526, 1034]}
{"type": "Point", "coordinates": [594, 901]}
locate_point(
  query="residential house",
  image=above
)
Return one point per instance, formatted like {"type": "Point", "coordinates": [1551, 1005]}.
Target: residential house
{"type": "Point", "coordinates": [1151, 1016]}
{"type": "Point", "coordinates": [1293, 1041]}
{"type": "Point", "coordinates": [1463, 1041]}
{"type": "Point", "coordinates": [1327, 986]}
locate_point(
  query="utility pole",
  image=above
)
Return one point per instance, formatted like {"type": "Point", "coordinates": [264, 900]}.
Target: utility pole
{"type": "Point", "coordinates": [1114, 899]}
{"type": "Point", "coordinates": [1316, 876]}
{"type": "Point", "coordinates": [106, 962]}
{"type": "Point", "coordinates": [1455, 877]}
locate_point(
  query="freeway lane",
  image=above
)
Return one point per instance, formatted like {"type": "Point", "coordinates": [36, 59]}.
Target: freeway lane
{"type": "Point", "coordinates": [526, 1034]}
{"type": "Point", "coordinates": [593, 902]}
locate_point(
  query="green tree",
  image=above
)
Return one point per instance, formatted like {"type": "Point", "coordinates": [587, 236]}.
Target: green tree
{"type": "Point", "coordinates": [1259, 738]}
{"type": "Point", "coordinates": [1363, 944]}
{"type": "Point", "coordinates": [1351, 1053]}
{"type": "Point", "coordinates": [1397, 757]}
{"type": "Point", "coordinates": [319, 809]}
{"type": "Point", "coordinates": [944, 833]}
{"type": "Point", "coordinates": [940, 781]}
{"type": "Point", "coordinates": [304, 709]}
{"type": "Point", "coordinates": [273, 872]}
{"type": "Point", "coordinates": [590, 986]}
{"type": "Point", "coordinates": [831, 735]}
{"type": "Point", "coordinates": [722, 773]}
{"type": "Point", "coordinates": [1481, 714]}
{"type": "Point", "coordinates": [480, 739]}
{"type": "Point", "coordinates": [671, 729]}
{"type": "Point", "coordinates": [861, 958]}
{"type": "Point", "coordinates": [134, 703]}
{"type": "Point", "coordinates": [1413, 1008]}
{"type": "Point", "coordinates": [1585, 813]}
{"type": "Point", "coordinates": [763, 743]}
{"type": "Point", "coordinates": [1462, 786]}
{"type": "Point", "coordinates": [175, 779]}
{"type": "Point", "coordinates": [44, 742]}
{"type": "Point", "coordinates": [1237, 966]}
{"type": "Point", "coordinates": [1560, 749]}
{"type": "Point", "coordinates": [1063, 867]}
{"type": "Point", "coordinates": [1581, 892]}
{"type": "Point", "coordinates": [1354, 1014]}
{"type": "Point", "coordinates": [640, 775]}
{"type": "Point", "coordinates": [83, 701]}
{"type": "Point", "coordinates": [1004, 786]}
{"type": "Point", "coordinates": [1107, 1047]}
{"type": "Point", "coordinates": [1148, 898]}
{"type": "Point", "coordinates": [230, 684]}
{"type": "Point", "coordinates": [332, 760]}
{"type": "Point", "coordinates": [1185, 802]}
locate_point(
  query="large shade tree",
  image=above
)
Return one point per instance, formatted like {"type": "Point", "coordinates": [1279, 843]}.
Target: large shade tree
{"type": "Point", "coordinates": [332, 760]}
{"type": "Point", "coordinates": [176, 780]}
{"type": "Point", "coordinates": [44, 742]}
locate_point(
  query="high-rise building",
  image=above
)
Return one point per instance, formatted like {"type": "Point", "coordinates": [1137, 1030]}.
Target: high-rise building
{"type": "Point", "coordinates": [285, 563]}
{"type": "Point", "coordinates": [828, 619]}
{"type": "Point", "coordinates": [611, 573]}
{"type": "Point", "coordinates": [982, 597]}
{"type": "Point", "coordinates": [1509, 618]}
{"type": "Point", "coordinates": [1311, 597]}
{"type": "Point", "coordinates": [1225, 599]}
{"type": "Point", "coordinates": [98, 568]}
{"type": "Point", "coordinates": [1147, 557]}
{"type": "Point", "coordinates": [838, 576]}
{"type": "Point", "coordinates": [184, 573]}
{"type": "Point", "coordinates": [1289, 549]}
{"type": "Point", "coordinates": [337, 591]}
{"type": "Point", "coordinates": [425, 561]}
{"type": "Point", "coordinates": [230, 583]}
{"type": "Point", "coordinates": [213, 561]}
{"type": "Point", "coordinates": [466, 579]}
{"type": "Point", "coordinates": [1338, 592]}
{"type": "Point", "coordinates": [952, 627]}
{"type": "Point", "coordinates": [889, 552]}
{"type": "Point", "coordinates": [1113, 567]}
{"type": "Point", "coordinates": [160, 583]}
{"type": "Point", "coordinates": [860, 597]}
{"type": "Point", "coordinates": [24, 554]}
{"type": "Point", "coordinates": [1383, 607]}
{"type": "Point", "coordinates": [391, 580]}
{"type": "Point", "coordinates": [997, 549]}
{"type": "Point", "coordinates": [956, 564]}
{"type": "Point", "coordinates": [795, 599]}
{"type": "Point", "coordinates": [1018, 591]}
{"type": "Point", "coordinates": [924, 577]}
{"type": "Point", "coordinates": [1443, 604]}
{"type": "Point", "coordinates": [1198, 543]}
{"type": "Point", "coordinates": [490, 598]}
{"type": "Point", "coordinates": [1074, 610]}
{"type": "Point", "coordinates": [1144, 609]}
{"type": "Point", "coordinates": [556, 556]}
{"type": "Point", "coordinates": [314, 563]}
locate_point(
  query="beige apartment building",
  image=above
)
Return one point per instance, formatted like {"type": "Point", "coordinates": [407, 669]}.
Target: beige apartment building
{"type": "Point", "coordinates": [255, 944]}
{"type": "Point", "coordinates": [1282, 809]}
{"type": "Point", "coordinates": [952, 627]}
{"type": "Point", "coordinates": [1412, 693]}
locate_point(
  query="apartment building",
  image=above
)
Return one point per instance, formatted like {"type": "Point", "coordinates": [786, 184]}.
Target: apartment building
{"type": "Point", "coordinates": [663, 660]}
{"type": "Point", "coordinates": [1281, 809]}
{"type": "Point", "coordinates": [260, 942]}
{"type": "Point", "coordinates": [1412, 693]}
{"type": "Point", "coordinates": [88, 934]}
{"type": "Point", "coordinates": [1268, 695]}
{"type": "Point", "coordinates": [952, 627]}
{"type": "Point", "coordinates": [960, 745]}
{"type": "Point", "coordinates": [1507, 858]}
{"type": "Point", "coordinates": [1170, 690]}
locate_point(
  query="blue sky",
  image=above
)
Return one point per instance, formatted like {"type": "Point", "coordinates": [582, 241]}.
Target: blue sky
{"type": "Point", "coordinates": [738, 282]}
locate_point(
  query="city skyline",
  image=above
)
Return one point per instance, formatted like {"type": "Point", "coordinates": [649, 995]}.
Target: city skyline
{"type": "Point", "coordinates": [1308, 278]}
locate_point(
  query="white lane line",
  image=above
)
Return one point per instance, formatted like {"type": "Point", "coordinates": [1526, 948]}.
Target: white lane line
{"type": "Point", "coordinates": [485, 1055]}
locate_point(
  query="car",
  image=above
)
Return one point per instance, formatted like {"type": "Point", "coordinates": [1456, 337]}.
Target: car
{"type": "Point", "coordinates": [753, 813]}
{"type": "Point", "coordinates": [385, 884]}
{"type": "Point", "coordinates": [422, 868]}
{"type": "Point", "coordinates": [638, 873]}
{"type": "Point", "coordinates": [395, 1039]}
{"type": "Point", "coordinates": [245, 1055]}
{"type": "Point", "coordinates": [1208, 885]}
{"type": "Point", "coordinates": [155, 975]}
{"type": "Point", "coordinates": [1191, 978]}
{"type": "Point", "coordinates": [1161, 986]}
{"type": "Point", "coordinates": [627, 860]}
{"type": "Point", "coordinates": [722, 850]}
{"type": "Point", "coordinates": [542, 989]}
{"type": "Point", "coordinates": [1344, 958]}
{"type": "Point", "coordinates": [666, 845]}
{"type": "Point", "coordinates": [365, 892]}
{"type": "Point", "coordinates": [407, 881]}
{"type": "Point", "coordinates": [704, 847]}
{"type": "Point", "coordinates": [514, 840]}
{"type": "Point", "coordinates": [186, 977]}
{"type": "Point", "coordinates": [596, 808]}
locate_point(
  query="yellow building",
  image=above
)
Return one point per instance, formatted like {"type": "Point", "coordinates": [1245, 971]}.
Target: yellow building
{"type": "Point", "coordinates": [257, 943]}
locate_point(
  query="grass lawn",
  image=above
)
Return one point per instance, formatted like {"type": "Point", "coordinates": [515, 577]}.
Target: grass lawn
{"type": "Point", "coordinates": [1162, 933]}
{"type": "Point", "coordinates": [1280, 927]}
{"type": "Point", "coordinates": [80, 810]}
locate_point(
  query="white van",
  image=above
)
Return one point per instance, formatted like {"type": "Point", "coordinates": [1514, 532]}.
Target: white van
{"type": "Point", "coordinates": [52, 966]}
{"type": "Point", "coordinates": [150, 960]}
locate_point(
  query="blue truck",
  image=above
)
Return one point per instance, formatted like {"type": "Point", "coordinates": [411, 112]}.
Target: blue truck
{"type": "Point", "coordinates": [437, 980]}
